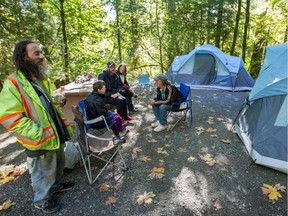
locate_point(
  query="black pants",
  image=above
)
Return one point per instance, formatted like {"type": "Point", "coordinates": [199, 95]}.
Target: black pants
{"type": "Point", "coordinates": [128, 96]}
{"type": "Point", "coordinates": [120, 104]}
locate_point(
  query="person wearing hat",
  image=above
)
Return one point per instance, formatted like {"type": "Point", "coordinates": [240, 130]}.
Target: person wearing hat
{"type": "Point", "coordinates": [112, 94]}
{"type": "Point", "coordinates": [166, 94]}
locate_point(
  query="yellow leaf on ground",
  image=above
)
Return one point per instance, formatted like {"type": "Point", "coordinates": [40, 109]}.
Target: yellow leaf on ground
{"type": "Point", "coordinates": [6, 170]}
{"type": "Point", "coordinates": [167, 145]}
{"type": "Point", "coordinates": [7, 179]}
{"type": "Point", "coordinates": [227, 141]}
{"type": "Point", "coordinates": [156, 173]}
{"type": "Point", "coordinates": [111, 200]}
{"type": "Point", "coordinates": [152, 141]}
{"type": "Point", "coordinates": [137, 150]}
{"type": "Point", "coordinates": [214, 135]}
{"type": "Point", "coordinates": [192, 159]}
{"type": "Point", "coordinates": [208, 159]}
{"type": "Point", "coordinates": [199, 130]}
{"type": "Point", "coordinates": [145, 198]}
{"type": "Point", "coordinates": [280, 187]}
{"type": "Point", "coordinates": [217, 205]}
{"type": "Point", "coordinates": [162, 151]}
{"type": "Point", "coordinates": [157, 170]}
{"type": "Point", "coordinates": [272, 191]}
{"type": "Point", "coordinates": [274, 196]}
{"type": "Point", "coordinates": [104, 187]}
{"type": "Point", "coordinates": [145, 158]}
{"type": "Point", "coordinates": [7, 204]}
{"type": "Point", "coordinates": [161, 161]}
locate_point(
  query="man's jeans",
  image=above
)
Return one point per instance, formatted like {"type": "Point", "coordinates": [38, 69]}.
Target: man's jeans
{"type": "Point", "coordinates": [46, 172]}
{"type": "Point", "coordinates": [160, 112]}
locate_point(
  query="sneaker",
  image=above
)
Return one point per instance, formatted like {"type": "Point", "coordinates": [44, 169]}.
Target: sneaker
{"type": "Point", "coordinates": [129, 118]}
{"type": "Point", "coordinates": [155, 124]}
{"type": "Point", "coordinates": [64, 186]}
{"type": "Point", "coordinates": [160, 128]}
{"type": "Point", "coordinates": [48, 206]}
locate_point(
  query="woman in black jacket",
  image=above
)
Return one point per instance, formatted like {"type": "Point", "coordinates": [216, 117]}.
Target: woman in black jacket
{"type": "Point", "coordinates": [125, 89]}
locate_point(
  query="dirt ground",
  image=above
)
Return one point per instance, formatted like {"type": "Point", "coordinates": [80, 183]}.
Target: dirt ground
{"type": "Point", "coordinates": [189, 185]}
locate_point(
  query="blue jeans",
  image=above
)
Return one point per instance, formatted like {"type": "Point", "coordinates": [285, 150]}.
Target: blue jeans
{"type": "Point", "coordinates": [160, 112]}
{"type": "Point", "coordinates": [46, 172]}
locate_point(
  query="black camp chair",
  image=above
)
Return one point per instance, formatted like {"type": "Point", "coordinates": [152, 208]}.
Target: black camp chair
{"type": "Point", "coordinates": [180, 110]}
{"type": "Point", "coordinates": [92, 143]}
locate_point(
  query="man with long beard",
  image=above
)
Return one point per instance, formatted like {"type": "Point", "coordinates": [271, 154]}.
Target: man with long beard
{"type": "Point", "coordinates": [28, 110]}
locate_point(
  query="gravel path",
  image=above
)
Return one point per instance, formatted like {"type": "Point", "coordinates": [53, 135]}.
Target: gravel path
{"type": "Point", "coordinates": [189, 185]}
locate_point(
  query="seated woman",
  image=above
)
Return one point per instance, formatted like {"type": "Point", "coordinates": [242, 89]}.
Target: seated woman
{"type": "Point", "coordinates": [166, 94]}
{"type": "Point", "coordinates": [125, 89]}
{"type": "Point", "coordinates": [95, 103]}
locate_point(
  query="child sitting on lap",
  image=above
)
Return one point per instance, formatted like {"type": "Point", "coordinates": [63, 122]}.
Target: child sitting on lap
{"type": "Point", "coordinates": [95, 103]}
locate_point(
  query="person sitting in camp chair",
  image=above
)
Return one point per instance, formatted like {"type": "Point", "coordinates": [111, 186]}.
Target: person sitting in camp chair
{"type": "Point", "coordinates": [166, 94]}
{"type": "Point", "coordinates": [95, 103]}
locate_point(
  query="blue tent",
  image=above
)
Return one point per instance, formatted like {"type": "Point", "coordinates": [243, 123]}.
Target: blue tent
{"type": "Point", "coordinates": [207, 66]}
{"type": "Point", "coordinates": [262, 124]}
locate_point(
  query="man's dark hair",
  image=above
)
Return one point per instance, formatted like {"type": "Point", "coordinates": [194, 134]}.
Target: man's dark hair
{"type": "Point", "coordinates": [98, 85]}
{"type": "Point", "coordinates": [19, 57]}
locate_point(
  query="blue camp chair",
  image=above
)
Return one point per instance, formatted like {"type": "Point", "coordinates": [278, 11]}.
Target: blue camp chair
{"type": "Point", "coordinates": [183, 108]}
{"type": "Point", "coordinates": [144, 80]}
{"type": "Point", "coordinates": [92, 143]}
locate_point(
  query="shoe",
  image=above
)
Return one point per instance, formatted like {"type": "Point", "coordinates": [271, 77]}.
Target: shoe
{"type": "Point", "coordinates": [155, 124]}
{"type": "Point", "coordinates": [134, 110]}
{"type": "Point", "coordinates": [48, 206]}
{"type": "Point", "coordinates": [160, 128]}
{"type": "Point", "coordinates": [129, 118]}
{"type": "Point", "coordinates": [64, 186]}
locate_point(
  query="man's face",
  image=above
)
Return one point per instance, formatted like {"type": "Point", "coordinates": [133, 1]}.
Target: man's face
{"type": "Point", "coordinates": [112, 69]}
{"type": "Point", "coordinates": [34, 54]}
{"type": "Point", "coordinates": [159, 84]}
{"type": "Point", "coordinates": [36, 63]}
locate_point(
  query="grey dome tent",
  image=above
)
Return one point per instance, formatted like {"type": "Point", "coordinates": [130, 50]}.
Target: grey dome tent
{"type": "Point", "coordinates": [207, 66]}
{"type": "Point", "coordinates": [262, 122]}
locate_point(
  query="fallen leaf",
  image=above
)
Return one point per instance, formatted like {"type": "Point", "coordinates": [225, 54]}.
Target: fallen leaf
{"type": "Point", "coordinates": [217, 205]}
{"type": "Point", "coordinates": [173, 189]}
{"type": "Point", "coordinates": [167, 145]}
{"type": "Point", "coordinates": [156, 173]}
{"type": "Point", "coordinates": [136, 150]}
{"type": "Point", "coordinates": [162, 151]}
{"type": "Point", "coordinates": [94, 168]}
{"type": "Point", "coordinates": [208, 159]}
{"type": "Point", "coordinates": [152, 141]}
{"type": "Point", "coordinates": [214, 135]}
{"type": "Point", "coordinates": [182, 150]}
{"type": "Point", "coordinates": [210, 120]}
{"type": "Point", "coordinates": [111, 200]}
{"type": "Point", "coordinates": [227, 141]}
{"type": "Point", "coordinates": [7, 179]}
{"type": "Point", "coordinates": [211, 130]}
{"type": "Point", "coordinates": [145, 158]}
{"type": "Point", "coordinates": [271, 191]}
{"type": "Point", "coordinates": [145, 198]}
{"type": "Point", "coordinates": [280, 187]}
{"type": "Point", "coordinates": [192, 159]}
{"type": "Point", "coordinates": [6, 170]}
{"type": "Point", "coordinates": [161, 161]}
{"type": "Point", "coordinates": [199, 130]}
{"type": "Point", "coordinates": [104, 187]}
{"type": "Point", "coordinates": [7, 204]}
{"type": "Point", "coordinates": [187, 139]}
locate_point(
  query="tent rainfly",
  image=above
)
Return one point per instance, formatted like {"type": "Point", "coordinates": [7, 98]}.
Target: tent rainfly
{"type": "Point", "coordinates": [207, 66]}
{"type": "Point", "coordinates": [262, 123]}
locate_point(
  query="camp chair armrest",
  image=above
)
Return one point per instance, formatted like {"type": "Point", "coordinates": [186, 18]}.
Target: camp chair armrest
{"type": "Point", "coordinates": [96, 120]}
{"type": "Point", "coordinates": [99, 138]}
{"type": "Point", "coordinates": [175, 103]}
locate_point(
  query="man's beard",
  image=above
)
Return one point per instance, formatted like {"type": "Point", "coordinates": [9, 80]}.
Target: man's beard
{"type": "Point", "coordinates": [38, 71]}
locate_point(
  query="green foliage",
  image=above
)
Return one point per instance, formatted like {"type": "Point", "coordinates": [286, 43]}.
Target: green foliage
{"type": "Point", "coordinates": [146, 35]}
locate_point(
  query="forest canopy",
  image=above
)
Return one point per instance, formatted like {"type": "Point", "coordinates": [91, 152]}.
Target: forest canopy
{"type": "Point", "coordinates": [83, 35]}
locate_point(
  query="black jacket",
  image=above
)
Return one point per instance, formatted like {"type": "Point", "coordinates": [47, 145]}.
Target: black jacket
{"type": "Point", "coordinates": [95, 103]}
{"type": "Point", "coordinates": [172, 94]}
{"type": "Point", "coordinates": [113, 83]}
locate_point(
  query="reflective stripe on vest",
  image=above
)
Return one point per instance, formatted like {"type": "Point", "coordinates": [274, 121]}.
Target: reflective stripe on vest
{"type": "Point", "coordinates": [10, 120]}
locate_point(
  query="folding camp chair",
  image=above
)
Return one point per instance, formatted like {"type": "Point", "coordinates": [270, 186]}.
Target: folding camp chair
{"type": "Point", "coordinates": [183, 108]}
{"type": "Point", "coordinates": [92, 143]}
{"type": "Point", "coordinates": [144, 80]}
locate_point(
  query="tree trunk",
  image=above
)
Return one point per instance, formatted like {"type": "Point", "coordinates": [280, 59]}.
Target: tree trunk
{"type": "Point", "coordinates": [236, 28]}
{"type": "Point", "coordinates": [118, 30]}
{"type": "Point", "coordinates": [159, 38]}
{"type": "Point", "coordinates": [64, 34]}
{"type": "Point", "coordinates": [256, 58]}
{"type": "Point", "coordinates": [247, 18]}
{"type": "Point", "coordinates": [286, 34]}
{"type": "Point", "coordinates": [219, 25]}
{"type": "Point", "coordinates": [172, 40]}
{"type": "Point", "coordinates": [134, 33]}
